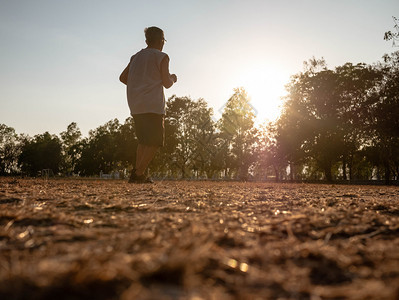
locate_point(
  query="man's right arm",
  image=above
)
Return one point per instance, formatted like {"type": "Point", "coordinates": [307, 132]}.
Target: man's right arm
{"type": "Point", "coordinates": [123, 77]}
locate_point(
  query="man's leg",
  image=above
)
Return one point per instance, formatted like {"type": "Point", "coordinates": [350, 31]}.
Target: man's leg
{"type": "Point", "coordinates": [139, 155]}
{"type": "Point", "coordinates": [144, 156]}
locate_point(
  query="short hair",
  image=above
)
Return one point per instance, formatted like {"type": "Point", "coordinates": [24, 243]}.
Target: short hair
{"type": "Point", "coordinates": [153, 34]}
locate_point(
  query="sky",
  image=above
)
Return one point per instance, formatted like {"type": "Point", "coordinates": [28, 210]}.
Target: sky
{"type": "Point", "coordinates": [60, 60]}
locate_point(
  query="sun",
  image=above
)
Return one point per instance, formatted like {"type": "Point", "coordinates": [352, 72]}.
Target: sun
{"type": "Point", "coordinates": [265, 87]}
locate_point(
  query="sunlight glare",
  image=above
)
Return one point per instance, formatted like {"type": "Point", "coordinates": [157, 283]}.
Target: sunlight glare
{"type": "Point", "coordinates": [265, 86]}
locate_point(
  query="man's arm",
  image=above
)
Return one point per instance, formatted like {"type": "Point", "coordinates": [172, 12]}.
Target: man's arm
{"type": "Point", "coordinates": [167, 78]}
{"type": "Point", "coordinates": [125, 74]}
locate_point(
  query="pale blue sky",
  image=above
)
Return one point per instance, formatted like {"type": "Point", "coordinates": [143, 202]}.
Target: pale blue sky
{"type": "Point", "coordinates": [60, 60]}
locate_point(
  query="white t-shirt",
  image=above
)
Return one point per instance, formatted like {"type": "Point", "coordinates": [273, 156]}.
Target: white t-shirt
{"type": "Point", "coordinates": [144, 84]}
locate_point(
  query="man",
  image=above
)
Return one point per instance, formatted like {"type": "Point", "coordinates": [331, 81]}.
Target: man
{"type": "Point", "coordinates": [145, 76]}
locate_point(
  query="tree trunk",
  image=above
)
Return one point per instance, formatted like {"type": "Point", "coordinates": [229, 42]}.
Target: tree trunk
{"type": "Point", "coordinates": [344, 167]}
{"type": "Point", "coordinates": [327, 172]}
{"type": "Point", "coordinates": [209, 174]}
{"type": "Point", "coordinates": [276, 173]}
{"type": "Point", "coordinates": [350, 169]}
{"type": "Point", "coordinates": [387, 173]}
{"type": "Point", "coordinates": [291, 171]}
{"type": "Point", "coordinates": [183, 172]}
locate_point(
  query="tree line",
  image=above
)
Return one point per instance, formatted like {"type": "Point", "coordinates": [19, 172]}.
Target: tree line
{"type": "Point", "coordinates": [336, 124]}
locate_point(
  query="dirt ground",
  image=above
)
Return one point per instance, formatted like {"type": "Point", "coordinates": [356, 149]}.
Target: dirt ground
{"type": "Point", "coordinates": [92, 239]}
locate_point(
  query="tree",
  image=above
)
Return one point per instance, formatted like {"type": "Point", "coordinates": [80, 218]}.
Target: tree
{"type": "Point", "coordinates": [203, 135]}
{"type": "Point", "coordinates": [394, 36]}
{"type": "Point", "coordinates": [189, 131]}
{"type": "Point", "coordinates": [126, 144]}
{"type": "Point", "coordinates": [180, 122]}
{"type": "Point", "coordinates": [99, 150]}
{"type": "Point", "coordinates": [322, 118]}
{"type": "Point", "coordinates": [383, 133]}
{"type": "Point", "coordinates": [237, 130]}
{"type": "Point", "coordinates": [307, 127]}
{"type": "Point", "coordinates": [356, 84]}
{"type": "Point", "coordinates": [41, 152]}
{"type": "Point", "coordinates": [9, 150]}
{"type": "Point", "coordinates": [70, 147]}
{"type": "Point", "coordinates": [269, 162]}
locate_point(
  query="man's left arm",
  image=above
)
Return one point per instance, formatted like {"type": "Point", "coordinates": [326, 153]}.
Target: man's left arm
{"type": "Point", "coordinates": [123, 77]}
{"type": "Point", "coordinates": [167, 79]}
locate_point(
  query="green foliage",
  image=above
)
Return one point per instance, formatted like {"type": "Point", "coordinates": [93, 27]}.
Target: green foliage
{"type": "Point", "coordinates": [126, 142]}
{"type": "Point", "coordinates": [99, 150]}
{"type": "Point", "coordinates": [9, 150]}
{"type": "Point", "coordinates": [110, 147]}
{"type": "Point", "coordinates": [190, 132]}
{"type": "Point", "coordinates": [238, 134]}
{"type": "Point", "coordinates": [331, 115]}
{"type": "Point", "coordinates": [383, 121]}
{"type": "Point", "coordinates": [71, 139]}
{"type": "Point", "coordinates": [41, 152]}
{"type": "Point", "coordinates": [394, 36]}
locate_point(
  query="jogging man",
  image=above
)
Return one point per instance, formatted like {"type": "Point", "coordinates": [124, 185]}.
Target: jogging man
{"type": "Point", "coordinates": [145, 76]}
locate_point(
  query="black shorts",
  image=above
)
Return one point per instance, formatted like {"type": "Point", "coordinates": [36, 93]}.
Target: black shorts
{"type": "Point", "coordinates": [150, 129]}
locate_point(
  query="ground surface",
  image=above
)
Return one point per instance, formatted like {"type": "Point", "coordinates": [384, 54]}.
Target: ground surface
{"type": "Point", "coordinates": [85, 239]}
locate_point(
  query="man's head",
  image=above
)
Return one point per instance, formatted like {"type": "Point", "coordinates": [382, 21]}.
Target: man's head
{"type": "Point", "coordinates": [154, 37]}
